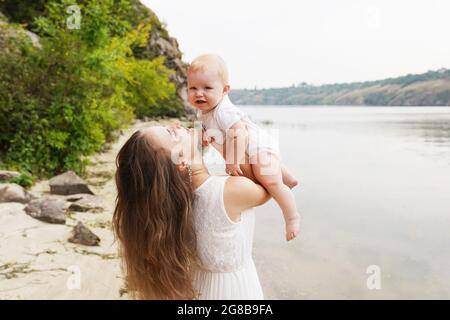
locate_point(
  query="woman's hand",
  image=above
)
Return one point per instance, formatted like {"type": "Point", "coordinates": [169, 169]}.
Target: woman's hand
{"type": "Point", "coordinates": [205, 141]}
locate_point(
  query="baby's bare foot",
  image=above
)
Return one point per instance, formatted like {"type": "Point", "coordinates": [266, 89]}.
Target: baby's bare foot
{"type": "Point", "coordinates": [292, 227]}
{"type": "Point", "coordinates": [290, 181]}
{"type": "Point", "coordinates": [288, 178]}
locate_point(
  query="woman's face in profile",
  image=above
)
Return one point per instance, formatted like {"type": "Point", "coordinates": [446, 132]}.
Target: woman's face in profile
{"type": "Point", "coordinates": [177, 139]}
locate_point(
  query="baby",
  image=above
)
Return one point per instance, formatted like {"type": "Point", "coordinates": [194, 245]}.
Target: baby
{"type": "Point", "coordinates": [246, 148]}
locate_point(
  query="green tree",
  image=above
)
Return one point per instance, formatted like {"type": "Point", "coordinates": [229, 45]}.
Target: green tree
{"type": "Point", "coordinates": [63, 101]}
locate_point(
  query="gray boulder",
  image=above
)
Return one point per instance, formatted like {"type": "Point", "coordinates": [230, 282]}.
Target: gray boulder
{"type": "Point", "coordinates": [82, 235]}
{"type": "Point", "coordinates": [5, 175]}
{"type": "Point", "coordinates": [85, 202]}
{"type": "Point", "coordinates": [11, 192]}
{"type": "Point", "coordinates": [35, 40]}
{"type": "Point", "coordinates": [47, 210]}
{"type": "Point", "coordinates": [68, 183]}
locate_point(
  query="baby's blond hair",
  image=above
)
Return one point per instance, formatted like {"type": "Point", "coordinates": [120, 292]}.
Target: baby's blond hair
{"type": "Point", "coordinates": [210, 62]}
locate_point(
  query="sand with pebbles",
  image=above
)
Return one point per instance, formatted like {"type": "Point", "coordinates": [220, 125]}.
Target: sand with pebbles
{"type": "Point", "coordinates": [37, 261]}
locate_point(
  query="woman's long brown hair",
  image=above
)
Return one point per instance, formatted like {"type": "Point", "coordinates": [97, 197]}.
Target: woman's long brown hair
{"type": "Point", "coordinates": [153, 222]}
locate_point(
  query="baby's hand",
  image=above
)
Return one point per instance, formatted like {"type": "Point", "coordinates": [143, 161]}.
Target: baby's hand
{"type": "Point", "coordinates": [205, 141]}
{"type": "Point", "coordinates": [233, 170]}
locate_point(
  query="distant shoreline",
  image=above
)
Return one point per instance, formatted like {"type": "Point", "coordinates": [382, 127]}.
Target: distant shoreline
{"type": "Point", "coordinates": [330, 106]}
{"type": "Point", "coordinates": [428, 89]}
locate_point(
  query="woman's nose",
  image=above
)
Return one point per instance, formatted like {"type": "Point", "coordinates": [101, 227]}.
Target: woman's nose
{"type": "Point", "coordinates": [176, 125]}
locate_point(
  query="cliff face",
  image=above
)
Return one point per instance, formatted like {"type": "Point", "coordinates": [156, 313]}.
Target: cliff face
{"type": "Point", "coordinates": [159, 45]}
{"type": "Point", "coordinates": [162, 44]}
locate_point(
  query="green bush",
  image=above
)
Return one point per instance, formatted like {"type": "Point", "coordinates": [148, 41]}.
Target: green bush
{"type": "Point", "coordinates": [25, 180]}
{"type": "Point", "coordinates": [64, 101]}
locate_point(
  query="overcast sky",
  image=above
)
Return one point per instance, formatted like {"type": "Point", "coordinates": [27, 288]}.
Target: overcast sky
{"type": "Point", "coordinates": [278, 43]}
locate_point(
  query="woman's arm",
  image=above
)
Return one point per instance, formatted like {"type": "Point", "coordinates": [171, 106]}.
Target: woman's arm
{"type": "Point", "coordinates": [242, 193]}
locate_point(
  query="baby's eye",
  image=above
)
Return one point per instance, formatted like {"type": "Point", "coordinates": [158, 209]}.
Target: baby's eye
{"type": "Point", "coordinates": [208, 88]}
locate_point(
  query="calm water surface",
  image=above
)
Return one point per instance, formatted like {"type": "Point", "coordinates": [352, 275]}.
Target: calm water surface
{"type": "Point", "coordinates": [374, 190]}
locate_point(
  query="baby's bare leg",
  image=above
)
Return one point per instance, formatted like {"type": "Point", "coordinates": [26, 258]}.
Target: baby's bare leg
{"type": "Point", "coordinates": [267, 171]}
{"type": "Point", "coordinates": [247, 168]}
{"type": "Point", "coordinates": [288, 177]}
{"type": "Point", "coordinates": [248, 172]}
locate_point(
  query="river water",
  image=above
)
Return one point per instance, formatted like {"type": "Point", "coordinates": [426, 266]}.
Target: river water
{"type": "Point", "coordinates": [374, 195]}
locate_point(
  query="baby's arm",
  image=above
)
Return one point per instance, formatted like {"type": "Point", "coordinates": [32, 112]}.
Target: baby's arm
{"type": "Point", "coordinates": [236, 141]}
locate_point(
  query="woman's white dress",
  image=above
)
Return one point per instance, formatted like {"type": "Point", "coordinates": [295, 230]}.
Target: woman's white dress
{"type": "Point", "coordinates": [224, 247]}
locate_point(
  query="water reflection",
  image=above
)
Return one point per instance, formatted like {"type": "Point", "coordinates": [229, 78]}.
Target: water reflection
{"type": "Point", "coordinates": [430, 125]}
{"type": "Point", "coordinates": [374, 191]}
{"type": "Point", "coordinates": [436, 131]}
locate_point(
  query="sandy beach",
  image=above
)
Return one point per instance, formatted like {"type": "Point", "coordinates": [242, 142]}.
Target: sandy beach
{"type": "Point", "coordinates": [37, 261]}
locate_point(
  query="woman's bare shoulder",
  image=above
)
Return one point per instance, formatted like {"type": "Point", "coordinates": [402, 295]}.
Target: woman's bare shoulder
{"type": "Point", "coordinates": [237, 182]}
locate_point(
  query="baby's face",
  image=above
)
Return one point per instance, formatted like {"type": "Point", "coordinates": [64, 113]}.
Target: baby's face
{"type": "Point", "coordinates": [205, 89]}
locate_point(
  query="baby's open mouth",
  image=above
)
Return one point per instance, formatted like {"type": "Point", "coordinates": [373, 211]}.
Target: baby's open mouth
{"type": "Point", "coordinates": [200, 101]}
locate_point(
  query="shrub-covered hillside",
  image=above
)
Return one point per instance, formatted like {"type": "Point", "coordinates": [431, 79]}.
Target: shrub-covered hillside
{"type": "Point", "coordinates": [69, 82]}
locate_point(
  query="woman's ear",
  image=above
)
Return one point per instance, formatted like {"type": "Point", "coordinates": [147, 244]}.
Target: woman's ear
{"type": "Point", "coordinates": [183, 166]}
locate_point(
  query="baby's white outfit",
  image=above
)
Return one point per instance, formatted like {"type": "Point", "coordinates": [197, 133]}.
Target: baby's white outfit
{"type": "Point", "coordinates": [217, 121]}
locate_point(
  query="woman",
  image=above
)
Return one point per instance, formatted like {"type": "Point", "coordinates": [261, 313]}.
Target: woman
{"type": "Point", "coordinates": [183, 233]}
